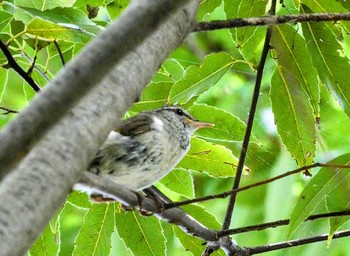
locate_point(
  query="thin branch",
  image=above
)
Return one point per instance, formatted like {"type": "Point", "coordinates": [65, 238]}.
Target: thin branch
{"type": "Point", "coordinates": [79, 77]}
{"type": "Point", "coordinates": [270, 20]}
{"type": "Point", "coordinates": [12, 62]}
{"type": "Point", "coordinates": [279, 223]}
{"type": "Point", "coordinates": [128, 197]}
{"type": "Point", "coordinates": [255, 98]}
{"type": "Point", "coordinates": [8, 111]}
{"type": "Point", "coordinates": [296, 242]}
{"type": "Point", "coordinates": [59, 52]}
{"type": "Point", "coordinates": [32, 66]}
{"type": "Point", "coordinates": [235, 191]}
{"type": "Point", "coordinates": [54, 128]}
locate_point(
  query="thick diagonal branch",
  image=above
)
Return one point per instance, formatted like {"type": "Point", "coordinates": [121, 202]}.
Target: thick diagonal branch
{"type": "Point", "coordinates": [35, 189]}
{"type": "Point", "coordinates": [80, 75]}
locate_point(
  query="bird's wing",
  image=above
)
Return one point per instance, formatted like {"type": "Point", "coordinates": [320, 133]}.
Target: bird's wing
{"type": "Point", "coordinates": [133, 126]}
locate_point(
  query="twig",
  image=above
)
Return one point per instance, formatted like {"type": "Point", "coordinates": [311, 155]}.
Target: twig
{"type": "Point", "coordinates": [59, 52]}
{"type": "Point", "coordinates": [128, 197]}
{"type": "Point", "coordinates": [32, 66]}
{"type": "Point", "coordinates": [255, 98]}
{"type": "Point", "coordinates": [8, 111]}
{"type": "Point", "coordinates": [235, 191]}
{"type": "Point", "coordinates": [279, 223]}
{"type": "Point", "coordinates": [296, 242]}
{"type": "Point", "coordinates": [12, 62]}
{"type": "Point", "coordinates": [270, 20]}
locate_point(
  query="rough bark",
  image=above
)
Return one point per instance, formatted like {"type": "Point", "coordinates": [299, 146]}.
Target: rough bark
{"type": "Point", "coordinates": [80, 75]}
{"type": "Point", "coordinates": [39, 184]}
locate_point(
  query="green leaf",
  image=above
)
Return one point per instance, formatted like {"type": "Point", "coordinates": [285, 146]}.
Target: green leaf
{"type": "Point", "coordinates": [191, 243]}
{"type": "Point", "coordinates": [49, 31]}
{"type": "Point", "coordinates": [154, 96]}
{"type": "Point", "coordinates": [207, 7]}
{"type": "Point", "coordinates": [227, 126]}
{"type": "Point", "coordinates": [248, 39]}
{"type": "Point", "coordinates": [291, 53]}
{"type": "Point", "coordinates": [200, 214]}
{"type": "Point", "coordinates": [44, 5]}
{"type": "Point", "coordinates": [213, 159]}
{"type": "Point", "coordinates": [326, 54]}
{"type": "Point", "coordinates": [320, 186]}
{"type": "Point", "coordinates": [323, 6]}
{"type": "Point", "coordinates": [94, 237]}
{"type": "Point", "coordinates": [5, 19]}
{"type": "Point", "coordinates": [79, 199]}
{"type": "Point", "coordinates": [170, 71]}
{"type": "Point", "coordinates": [179, 181]}
{"type": "Point", "coordinates": [338, 199]}
{"type": "Point", "coordinates": [199, 79]}
{"type": "Point", "coordinates": [293, 116]}
{"type": "Point", "coordinates": [142, 235]}
{"type": "Point", "coordinates": [47, 244]}
{"type": "Point", "coordinates": [115, 8]}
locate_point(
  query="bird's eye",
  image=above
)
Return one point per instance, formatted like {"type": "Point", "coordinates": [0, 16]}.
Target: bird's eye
{"type": "Point", "coordinates": [179, 112]}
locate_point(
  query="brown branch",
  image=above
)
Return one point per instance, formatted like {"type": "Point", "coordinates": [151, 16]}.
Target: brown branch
{"type": "Point", "coordinates": [250, 122]}
{"type": "Point", "coordinates": [279, 223]}
{"type": "Point", "coordinates": [235, 191]}
{"type": "Point", "coordinates": [8, 111]}
{"type": "Point", "coordinates": [59, 52]}
{"type": "Point", "coordinates": [293, 243]}
{"type": "Point", "coordinates": [270, 20]}
{"type": "Point", "coordinates": [130, 198]}
{"type": "Point", "coordinates": [12, 62]}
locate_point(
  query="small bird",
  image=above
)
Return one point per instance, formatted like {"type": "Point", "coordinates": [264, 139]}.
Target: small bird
{"type": "Point", "coordinates": [143, 149]}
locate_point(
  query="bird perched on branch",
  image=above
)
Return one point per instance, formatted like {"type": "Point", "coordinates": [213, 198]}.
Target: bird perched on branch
{"type": "Point", "coordinates": [143, 149]}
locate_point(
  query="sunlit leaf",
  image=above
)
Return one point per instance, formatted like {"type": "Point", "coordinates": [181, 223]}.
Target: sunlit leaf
{"type": "Point", "coordinates": [199, 79]}
{"type": "Point", "coordinates": [294, 86]}
{"type": "Point", "coordinates": [206, 7]}
{"type": "Point", "coordinates": [44, 5]}
{"type": "Point", "coordinates": [291, 53]}
{"type": "Point", "coordinates": [338, 199]}
{"type": "Point", "coordinates": [179, 181]}
{"type": "Point", "coordinates": [142, 235]}
{"type": "Point", "coordinates": [327, 56]}
{"type": "Point", "coordinates": [94, 237]}
{"type": "Point", "coordinates": [5, 19]}
{"type": "Point", "coordinates": [115, 8]}
{"type": "Point", "coordinates": [49, 31]}
{"type": "Point", "coordinates": [318, 189]}
{"type": "Point", "coordinates": [293, 116]}
{"type": "Point", "coordinates": [210, 158]}
{"type": "Point", "coordinates": [248, 39]}
{"type": "Point", "coordinates": [191, 243]}
{"type": "Point", "coordinates": [227, 126]}
{"type": "Point", "coordinates": [47, 243]}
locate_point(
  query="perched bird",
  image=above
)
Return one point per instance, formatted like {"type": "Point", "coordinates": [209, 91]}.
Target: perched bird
{"type": "Point", "coordinates": [144, 148]}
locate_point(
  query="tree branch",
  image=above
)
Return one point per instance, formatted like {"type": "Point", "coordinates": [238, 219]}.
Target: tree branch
{"type": "Point", "coordinates": [13, 64]}
{"type": "Point", "coordinates": [296, 242]}
{"type": "Point", "coordinates": [8, 111]}
{"type": "Point", "coordinates": [270, 20]}
{"type": "Point", "coordinates": [60, 54]}
{"type": "Point", "coordinates": [174, 216]}
{"type": "Point", "coordinates": [263, 182]}
{"type": "Point", "coordinates": [250, 122]}
{"type": "Point", "coordinates": [35, 189]}
{"type": "Point", "coordinates": [279, 223]}
{"type": "Point", "coordinates": [80, 75]}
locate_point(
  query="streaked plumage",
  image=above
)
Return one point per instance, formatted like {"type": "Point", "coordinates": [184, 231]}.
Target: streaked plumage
{"type": "Point", "coordinates": [144, 148]}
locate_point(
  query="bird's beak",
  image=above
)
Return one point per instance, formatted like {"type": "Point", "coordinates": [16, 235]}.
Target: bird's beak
{"type": "Point", "coordinates": [199, 124]}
